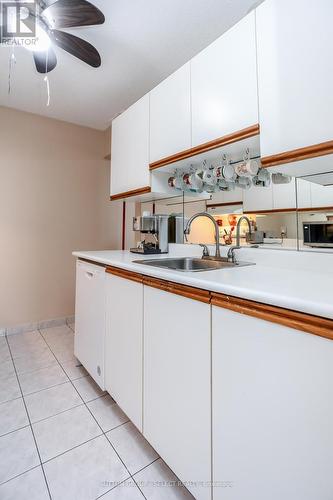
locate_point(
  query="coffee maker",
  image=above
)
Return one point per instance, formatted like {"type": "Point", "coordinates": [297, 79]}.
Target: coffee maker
{"type": "Point", "coordinates": [155, 225]}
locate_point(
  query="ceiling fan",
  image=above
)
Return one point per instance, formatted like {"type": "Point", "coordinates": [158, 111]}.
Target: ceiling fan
{"type": "Point", "coordinates": [50, 18]}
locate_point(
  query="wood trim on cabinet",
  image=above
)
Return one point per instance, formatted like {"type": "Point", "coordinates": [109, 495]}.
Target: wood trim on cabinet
{"type": "Point", "coordinates": [93, 262]}
{"type": "Point", "coordinates": [127, 194]}
{"type": "Point", "coordinates": [122, 273]}
{"type": "Point", "coordinates": [183, 290]}
{"type": "Point", "coordinates": [314, 209]}
{"type": "Point", "coordinates": [190, 292]}
{"type": "Point", "coordinates": [322, 149]}
{"type": "Point", "coordinates": [207, 146]}
{"type": "Point", "coordinates": [272, 211]}
{"type": "Point", "coordinates": [156, 283]}
{"type": "Point", "coordinates": [316, 325]}
{"type": "Point", "coordinates": [281, 210]}
{"type": "Point", "coordinates": [231, 203]}
{"type": "Point", "coordinates": [308, 323]}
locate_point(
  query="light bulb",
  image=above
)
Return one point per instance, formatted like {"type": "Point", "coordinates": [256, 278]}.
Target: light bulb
{"type": "Point", "coordinates": [40, 43]}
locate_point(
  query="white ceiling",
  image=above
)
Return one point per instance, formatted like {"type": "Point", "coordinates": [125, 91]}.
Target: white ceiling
{"type": "Point", "coordinates": [141, 43]}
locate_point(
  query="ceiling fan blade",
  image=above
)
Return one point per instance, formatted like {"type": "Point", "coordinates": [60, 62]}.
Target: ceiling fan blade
{"type": "Point", "coordinates": [45, 61]}
{"type": "Point", "coordinates": [77, 47]}
{"type": "Point", "coordinates": [70, 14]}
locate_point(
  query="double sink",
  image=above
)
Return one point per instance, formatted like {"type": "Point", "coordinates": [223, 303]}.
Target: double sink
{"type": "Point", "coordinates": [191, 264]}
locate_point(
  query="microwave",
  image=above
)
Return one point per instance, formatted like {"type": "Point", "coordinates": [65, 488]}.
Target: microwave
{"type": "Point", "coordinates": [318, 234]}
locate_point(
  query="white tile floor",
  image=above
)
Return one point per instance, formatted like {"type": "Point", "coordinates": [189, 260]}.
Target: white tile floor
{"type": "Point", "coordinates": [61, 437]}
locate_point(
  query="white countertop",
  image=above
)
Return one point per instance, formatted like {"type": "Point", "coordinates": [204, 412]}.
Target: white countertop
{"type": "Point", "coordinates": [300, 289]}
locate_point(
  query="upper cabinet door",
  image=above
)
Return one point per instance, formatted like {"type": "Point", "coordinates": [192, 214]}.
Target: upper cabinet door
{"type": "Point", "coordinates": [170, 115]}
{"type": "Point", "coordinates": [224, 84]}
{"type": "Point", "coordinates": [295, 74]}
{"type": "Point", "coordinates": [258, 199]}
{"type": "Point", "coordinates": [284, 195]}
{"type": "Point", "coordinates": [130, 148]}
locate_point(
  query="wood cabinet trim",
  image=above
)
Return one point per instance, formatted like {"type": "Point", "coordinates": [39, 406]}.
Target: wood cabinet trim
{"type": "Point", "coordinates": [156, 283]}
{"type": "Point", "coordinates": [207, 146]}
{"type": "Point", "coordinates": [93, 262]}
{"type": "Point", "coordinates": [226, 204]}
{"type": "Point", "coordinates": [314, 209]}
{"type": "Point", "coordinates": [128, 194]}
{"type": "Point", "coordinates": [322, 149]}
{"type": "Point", "coordinates": [190, 292]}
{"type": "Point", "coordinates": [271, 211]}
{"type": "Point", "coordinates": [177, 289]}
{"type": "Point", "coordinates": [316, 325]}
{"type": "Point", "coordinates": [308, 323]}
{"type": "Point", "coordinates": [122, 273]}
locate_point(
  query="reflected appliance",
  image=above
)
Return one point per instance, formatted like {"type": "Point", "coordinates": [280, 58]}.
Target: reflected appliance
{"type": "Point", "coordinates": [318, 234]}
{"type": "Point", "coordinates": [155, 225]}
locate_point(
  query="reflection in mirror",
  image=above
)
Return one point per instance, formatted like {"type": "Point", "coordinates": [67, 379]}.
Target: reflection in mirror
{"type": "Point", "coordinates": [167, 206]}
{"type": "Point", "coordinates": [315, 212]}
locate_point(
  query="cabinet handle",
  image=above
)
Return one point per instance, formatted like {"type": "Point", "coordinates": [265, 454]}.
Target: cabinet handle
{"type": "Point", "coordinates": [89, 274]}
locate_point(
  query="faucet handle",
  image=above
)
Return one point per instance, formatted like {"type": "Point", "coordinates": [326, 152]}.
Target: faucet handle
{"type": "Point", "coordinates": [205, 252]}
{"type": "Point", "coordinates": [231, 253]}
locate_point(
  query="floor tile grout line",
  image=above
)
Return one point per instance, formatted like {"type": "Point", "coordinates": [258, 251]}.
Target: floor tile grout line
{"type": "Point", "coordinates": [56, 414]}
{"type": "Point", "coordinates": [143, 468]}
{"type": "Point", "coordinates": [117, 486]}
{"type": "Point", "coordinates": [131, 476]}
{"type": "Point", "coordinates": [45, 389]}
{"type": "Point", "coordinates": [103, 433]}
{"type": "Point", "coordinates": [97, 423]}
{"type": "Point", "coordinates": [32, 431]}
{"type": "Point", "coordinates": [11, 432]}
{"type": "Point", "coordinates": [21, 474]}
{"type": "Point", "coordinates": [84, 442]}
{"type": "Point", "coordinates": [71, 449]}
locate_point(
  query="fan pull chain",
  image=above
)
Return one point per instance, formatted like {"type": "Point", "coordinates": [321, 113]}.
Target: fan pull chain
{"type": "Point", "coordinates": [12, 61]}
{"type": "Point", "coordinates": [46, 80]}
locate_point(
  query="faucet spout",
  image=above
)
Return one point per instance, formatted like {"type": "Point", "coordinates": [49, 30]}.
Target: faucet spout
{"type": "Point", "coordinates": [217, 236]}
{"type": "Point", "coordinates": [231, 252]}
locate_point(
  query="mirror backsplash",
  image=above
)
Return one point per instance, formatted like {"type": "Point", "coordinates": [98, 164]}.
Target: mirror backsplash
{"type": "Point", "coordinates": [293, 216]}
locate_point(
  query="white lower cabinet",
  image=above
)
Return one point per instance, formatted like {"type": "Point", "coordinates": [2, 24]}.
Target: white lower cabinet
{"type": "Point", "coordinates": [272, 410]}
{"type": "Point", "coordinates": [177, 399]}
{"type": "Point", "coordinates": [90, 319]}
{"type": "Point", "coordinates": [123, 345]}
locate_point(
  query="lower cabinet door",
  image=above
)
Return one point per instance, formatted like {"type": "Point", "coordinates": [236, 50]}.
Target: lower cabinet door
{"type": "Point", "coordinates": [90, 319]}
{"type": "Point", "coordinates": [177, 386]}
{"type": "Point", "coordinates": [123, 345]}
{"type": "Point", "coordinates": [272, 410]}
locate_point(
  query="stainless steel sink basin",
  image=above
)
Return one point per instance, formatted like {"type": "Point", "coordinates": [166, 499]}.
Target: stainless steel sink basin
{"type": "Point", "coordinates": [192, 264]}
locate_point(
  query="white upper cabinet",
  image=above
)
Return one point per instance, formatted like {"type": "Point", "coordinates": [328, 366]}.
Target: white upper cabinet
{"type": "Point", "coordinates": [303, 193]}
{"type": "Point", "coordinates": [130, 148]}
{"type": "Point", "coordinates": [321, 196]}
{"type": "Point", "coordinates": [258, 199]}
{"type": "Point", "coordinates": [284, 195]}
{"type": "Point", "coordinates": [295, 74]}
{"type": "Point", "coordinates": [224, 84]}
{"type": "Point", "coordinates": [170, 115]}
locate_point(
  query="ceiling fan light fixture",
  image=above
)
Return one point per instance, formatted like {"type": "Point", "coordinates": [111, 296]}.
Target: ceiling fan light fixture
{"type": "Point", "coordinates": [40, 43]}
